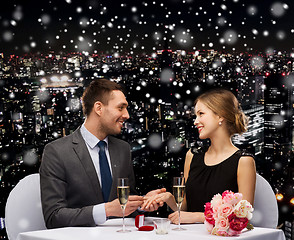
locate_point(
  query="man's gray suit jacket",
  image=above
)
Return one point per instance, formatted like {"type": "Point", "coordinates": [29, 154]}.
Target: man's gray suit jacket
{"type": "Point", "coordinates": [69, 183]}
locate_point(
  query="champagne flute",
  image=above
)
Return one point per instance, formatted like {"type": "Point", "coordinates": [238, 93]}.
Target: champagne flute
{"type": "Point", "coordinates": [123, 192]}
{"type": "Point", "coordinates": [179, 193]}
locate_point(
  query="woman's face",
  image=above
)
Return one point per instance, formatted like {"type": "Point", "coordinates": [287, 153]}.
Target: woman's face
{"type": "Point", "coordinates": [207, 122]}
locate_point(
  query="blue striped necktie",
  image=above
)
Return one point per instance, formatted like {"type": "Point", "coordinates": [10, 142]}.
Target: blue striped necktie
{"type": "Point", "coordinates": [106, 179]}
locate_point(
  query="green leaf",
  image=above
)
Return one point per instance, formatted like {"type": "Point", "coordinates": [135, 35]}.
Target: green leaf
{"type": "Point", "coordinates": [249, 226]}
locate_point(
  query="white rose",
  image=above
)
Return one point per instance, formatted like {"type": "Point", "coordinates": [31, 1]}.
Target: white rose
{"type": "Point", "coordinates": [243, 209]}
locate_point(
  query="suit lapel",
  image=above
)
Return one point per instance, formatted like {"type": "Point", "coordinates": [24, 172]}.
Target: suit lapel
{"type": "Point", "coordinates": [82, 152]}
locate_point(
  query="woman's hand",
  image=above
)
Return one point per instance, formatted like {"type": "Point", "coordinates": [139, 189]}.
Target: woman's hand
{"type": "Point", "coordinates": [158, 199]}
{"type": "Point", "coordinates": [186, 217]}
{"type": "Point", "coordinates": [154, 205]}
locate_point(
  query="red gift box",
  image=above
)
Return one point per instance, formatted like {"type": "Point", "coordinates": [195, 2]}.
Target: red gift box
{"type": "Point", "coordinates": [139, 223]}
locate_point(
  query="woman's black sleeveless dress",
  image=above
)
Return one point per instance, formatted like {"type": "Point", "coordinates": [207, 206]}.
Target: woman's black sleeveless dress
{"type": "Point", "coordinates": [205, 181]}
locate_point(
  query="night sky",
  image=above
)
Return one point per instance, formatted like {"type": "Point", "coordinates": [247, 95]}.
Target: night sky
{"type": "Point", "coordinates": [128, 26]}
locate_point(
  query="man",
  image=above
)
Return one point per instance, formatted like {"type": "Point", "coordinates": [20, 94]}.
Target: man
{"type": "Point", "coordinates": [79, 172]}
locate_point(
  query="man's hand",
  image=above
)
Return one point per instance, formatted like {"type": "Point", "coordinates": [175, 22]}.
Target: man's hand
{"type": "Point", "coordinates": [114, 209]}
{"type": "Point", "coordinates": [151, 205]}
{"type": "Point", "coordinates": [133, 204]}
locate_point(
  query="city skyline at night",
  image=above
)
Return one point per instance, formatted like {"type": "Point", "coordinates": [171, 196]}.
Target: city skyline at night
{"type": "Point", "coordinates": [41, 102]}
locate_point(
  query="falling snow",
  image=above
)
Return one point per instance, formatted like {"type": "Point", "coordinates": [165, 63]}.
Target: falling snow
{"type": "Point", "coordinates": [135, 27]}
{"type": "Point", "coordinates": [155, 141]}
{"type": "Point", "coordinates": [30, 157]}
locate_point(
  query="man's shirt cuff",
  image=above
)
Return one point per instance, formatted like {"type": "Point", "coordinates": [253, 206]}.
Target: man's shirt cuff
{"type": "Point", "coordinates": [99, 214]}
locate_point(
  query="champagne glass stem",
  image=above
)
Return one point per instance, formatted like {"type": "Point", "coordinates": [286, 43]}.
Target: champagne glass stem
{"type": "Point", "coordinates": [179, 211]}
{"type": "Point", "coordinates": [123, 210]}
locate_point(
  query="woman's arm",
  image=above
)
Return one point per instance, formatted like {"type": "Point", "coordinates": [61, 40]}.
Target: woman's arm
{"type": "Point", "coordinates": [246, 177]}
{"type": "Point", "coordinates": [188, 161]}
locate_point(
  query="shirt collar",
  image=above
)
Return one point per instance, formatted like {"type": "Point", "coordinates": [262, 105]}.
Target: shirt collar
{"type": "Point", "coordinates": [91, 139]}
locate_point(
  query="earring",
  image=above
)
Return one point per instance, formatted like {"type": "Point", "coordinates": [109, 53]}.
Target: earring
{"type": "Point", "coordinates": [220, 123]}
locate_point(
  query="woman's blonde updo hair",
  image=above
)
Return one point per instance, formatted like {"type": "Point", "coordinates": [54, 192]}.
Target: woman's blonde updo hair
{"type": "Point", "coordinates": [224, 104]}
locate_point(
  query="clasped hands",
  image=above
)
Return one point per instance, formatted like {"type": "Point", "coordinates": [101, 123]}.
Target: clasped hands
{"type": "Point", "coordinates": [149, 203]}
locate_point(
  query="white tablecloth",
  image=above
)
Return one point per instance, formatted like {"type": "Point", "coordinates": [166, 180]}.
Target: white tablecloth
{"type": "Point", "coordinates": [108, 230]}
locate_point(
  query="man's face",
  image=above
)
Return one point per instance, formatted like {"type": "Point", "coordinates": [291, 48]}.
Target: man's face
{"type": "Point", "coordinates": [114, 114]}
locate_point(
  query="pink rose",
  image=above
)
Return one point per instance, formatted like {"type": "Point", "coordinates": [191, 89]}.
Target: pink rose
{"type": "Point", "coordinates": [208, 226]}
{"type": "Point", "coordinates": [207, 206]}
{"type": "Point", "coordinates": [225, 210]}
{"type": "Point", "coordinates": [221, 233]}
{"type": "Point", "coordinates": [236, 223]}
{"type": "Point", "coordinates": [216, 201]}
{"type": "Point", "coordinates": [208, 213]}
{"type": "Point", "coordinates": [232, 232]}
{"type": "Point", "coordinates": [226, 193]}
{"type": "Point", "coordinates": [231, 198]}
{"type": "Point", "coordinates": [222, 223]}
{"type": "Point", "coordinates": [214, 231]}
{"type": "Point", "coordinates": [238, 198]}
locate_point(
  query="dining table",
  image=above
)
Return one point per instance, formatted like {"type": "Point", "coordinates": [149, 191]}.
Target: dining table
{"type": "Point", "coordinates": [108, 231]}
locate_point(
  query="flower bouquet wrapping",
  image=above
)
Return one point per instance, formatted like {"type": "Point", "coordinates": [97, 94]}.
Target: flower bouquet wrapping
{"type": "Point", "coordinates": [227, 214]}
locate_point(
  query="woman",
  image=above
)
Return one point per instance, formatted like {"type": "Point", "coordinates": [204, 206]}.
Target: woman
{"type": "Point", "coordinates": [220, 167]}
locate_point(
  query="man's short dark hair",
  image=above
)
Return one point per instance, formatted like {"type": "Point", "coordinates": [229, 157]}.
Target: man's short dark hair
{"type": "Point", "coordinates": [98, 90]}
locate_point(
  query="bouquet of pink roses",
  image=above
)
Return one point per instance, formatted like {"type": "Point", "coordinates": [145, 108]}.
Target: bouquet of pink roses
{"type": "Point", "coordinates": [227, 214]}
